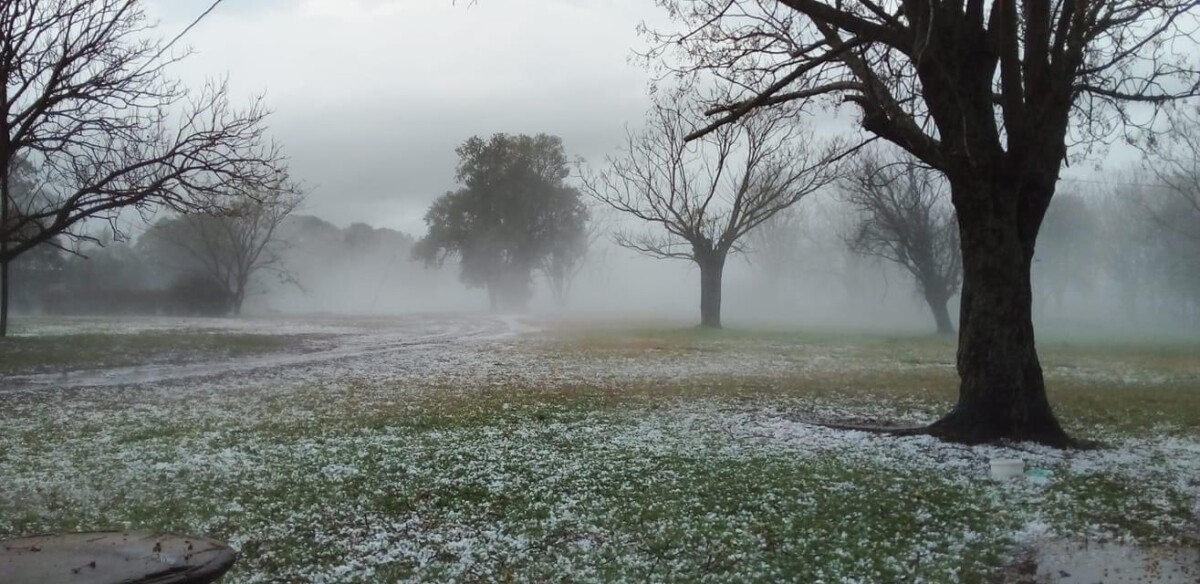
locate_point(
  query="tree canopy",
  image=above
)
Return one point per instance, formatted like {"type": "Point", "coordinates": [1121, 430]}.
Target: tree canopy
{"type": "Point", "coordinates": [513, 213]}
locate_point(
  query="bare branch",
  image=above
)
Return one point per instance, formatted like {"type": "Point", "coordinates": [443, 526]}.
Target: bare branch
{"type": "Point", "coordinates": [86, 101]}
{"type": "Point", "coordinates": [703, 195]}
{"type": "Point", "coordinates": [229, 245]}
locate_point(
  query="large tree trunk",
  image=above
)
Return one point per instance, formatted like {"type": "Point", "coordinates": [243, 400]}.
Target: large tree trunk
{"type": "Point", "coordinates": [711, 269]}
{"type": "Point", "coordinates": [941, 315]}
{"type": "Point", "coordinates": [508, 288]}
{"type": "Point", "coordinates": [1002, 393]}
{"type": "Point", "coordinates": [4, 212]}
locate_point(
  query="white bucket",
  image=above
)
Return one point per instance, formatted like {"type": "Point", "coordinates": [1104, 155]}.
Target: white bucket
{"type": "Point", "coordinates": [1007, 468]}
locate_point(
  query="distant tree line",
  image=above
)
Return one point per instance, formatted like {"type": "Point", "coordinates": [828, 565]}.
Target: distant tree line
{"type": "Point", "coordinates": [1121, 246]}
{"type": "Point", "coordinates": [199, 265]}
{"type": "Point", "coordinates": [225, 250]}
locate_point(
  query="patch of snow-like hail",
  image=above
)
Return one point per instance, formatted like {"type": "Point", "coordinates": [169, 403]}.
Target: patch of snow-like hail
{"type": "Point", "coordinates": [93, 451]}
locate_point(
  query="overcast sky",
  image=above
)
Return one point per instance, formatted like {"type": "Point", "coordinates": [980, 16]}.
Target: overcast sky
{"type": "Point", "coordinates": [372, 96]}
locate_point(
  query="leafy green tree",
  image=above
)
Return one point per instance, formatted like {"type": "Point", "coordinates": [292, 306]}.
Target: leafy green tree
{"type": "Point", "coordinates": [514, 214]}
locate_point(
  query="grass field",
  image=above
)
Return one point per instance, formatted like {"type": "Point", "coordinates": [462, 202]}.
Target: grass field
{"type": "Point", "coordinates": [601, 454]}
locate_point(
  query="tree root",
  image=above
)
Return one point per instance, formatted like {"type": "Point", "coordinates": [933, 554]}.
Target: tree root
{"type": "Point", "coordinates": [939, 432]}
{"type": "Point", "coordinates": [875, 428]}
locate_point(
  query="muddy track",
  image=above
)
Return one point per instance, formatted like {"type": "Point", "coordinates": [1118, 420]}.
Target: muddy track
{"type": "Point", "coordinates": [409, 334]}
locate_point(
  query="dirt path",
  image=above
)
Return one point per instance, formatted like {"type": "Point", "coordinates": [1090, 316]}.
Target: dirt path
{"type": "Point", "coordinates": [386, 336]}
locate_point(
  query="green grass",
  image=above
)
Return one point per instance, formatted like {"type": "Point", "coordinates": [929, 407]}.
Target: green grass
{"type": "Point", "coordinates": [1132, 388]}
{"type": "Point", "coordinates": [50, 354]}
{"type": "Point", "coordinates": [508, 476]}
{"type": "Point", "coordinates": [672, 515]}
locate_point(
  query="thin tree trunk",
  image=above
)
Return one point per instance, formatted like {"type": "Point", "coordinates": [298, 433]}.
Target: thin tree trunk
{"type": "Point", "coordinates": [941, 315]}
{"type": "Point", "coordinates": [3, 293]}
{"type": "Point", "coordinates": [1002, 393]}
{"type": "Point", "coordinates": [711, 269]}
{"type": "Point", "coordinates": [558, 287]}
{"type": "Point", "coordinates": [239, 297]}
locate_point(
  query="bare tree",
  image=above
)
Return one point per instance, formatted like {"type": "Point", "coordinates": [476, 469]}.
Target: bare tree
{"type": "Point", "coordinates": [799, 244]}
{"type": "Point", "coordinates": [702, 197]}
{"type": "Point", "coordinates": [1174, 212]}
{"type": "Point", "coordinates": [228, 247]}
{"type": "Point", "coordinates": [989, 93]}
{"type": "Point", "coordinates": [905, 217]}
{"type": "Point", "coordinates": [1067, 257]}
{"type": "Point", "coordinates": [567, 260]}
{"type": "Point", "coordinates": [776, 250]}
{"type": "Point", "coordinates": [86, 101]}
{"type": "Point", "coordinates": [1176, 164]}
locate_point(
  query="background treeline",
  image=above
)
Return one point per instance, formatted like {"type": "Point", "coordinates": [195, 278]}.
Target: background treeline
{"type": "Point", "coordinates": [1120, 251]}
{"type": "Point", "coordinates": [154, 275]}
{"type": "Point", "coordinates": [1106, 257]}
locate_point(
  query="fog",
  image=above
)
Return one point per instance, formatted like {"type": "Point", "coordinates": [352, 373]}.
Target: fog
{"type": "Point", "coordinates": [1103, 267]}
{"type": "Point", "coordinates": [373, 136]}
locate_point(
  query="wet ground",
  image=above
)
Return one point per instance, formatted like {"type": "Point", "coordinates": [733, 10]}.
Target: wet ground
{"type": "Point", "coordinates": [293, 453]}
{"type": "Point", "coordinates": [332, 341]}
{"type": "Point", "coordinates": [1064, 561]}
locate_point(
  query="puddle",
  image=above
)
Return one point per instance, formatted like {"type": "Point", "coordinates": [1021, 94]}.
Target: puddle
{"type": "Point", "coordinates": [1071, 562]}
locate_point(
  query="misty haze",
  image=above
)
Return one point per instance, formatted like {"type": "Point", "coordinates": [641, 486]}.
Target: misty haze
{"type": "Point", "coordinates": [549, 290]}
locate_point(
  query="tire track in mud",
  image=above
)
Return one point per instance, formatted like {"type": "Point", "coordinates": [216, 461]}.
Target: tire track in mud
{"type": "Point", "coordinates": [427, 332]}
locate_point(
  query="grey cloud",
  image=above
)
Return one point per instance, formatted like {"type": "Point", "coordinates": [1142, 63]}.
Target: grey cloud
{"type": "Point", "coordinates": [372, 97]}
